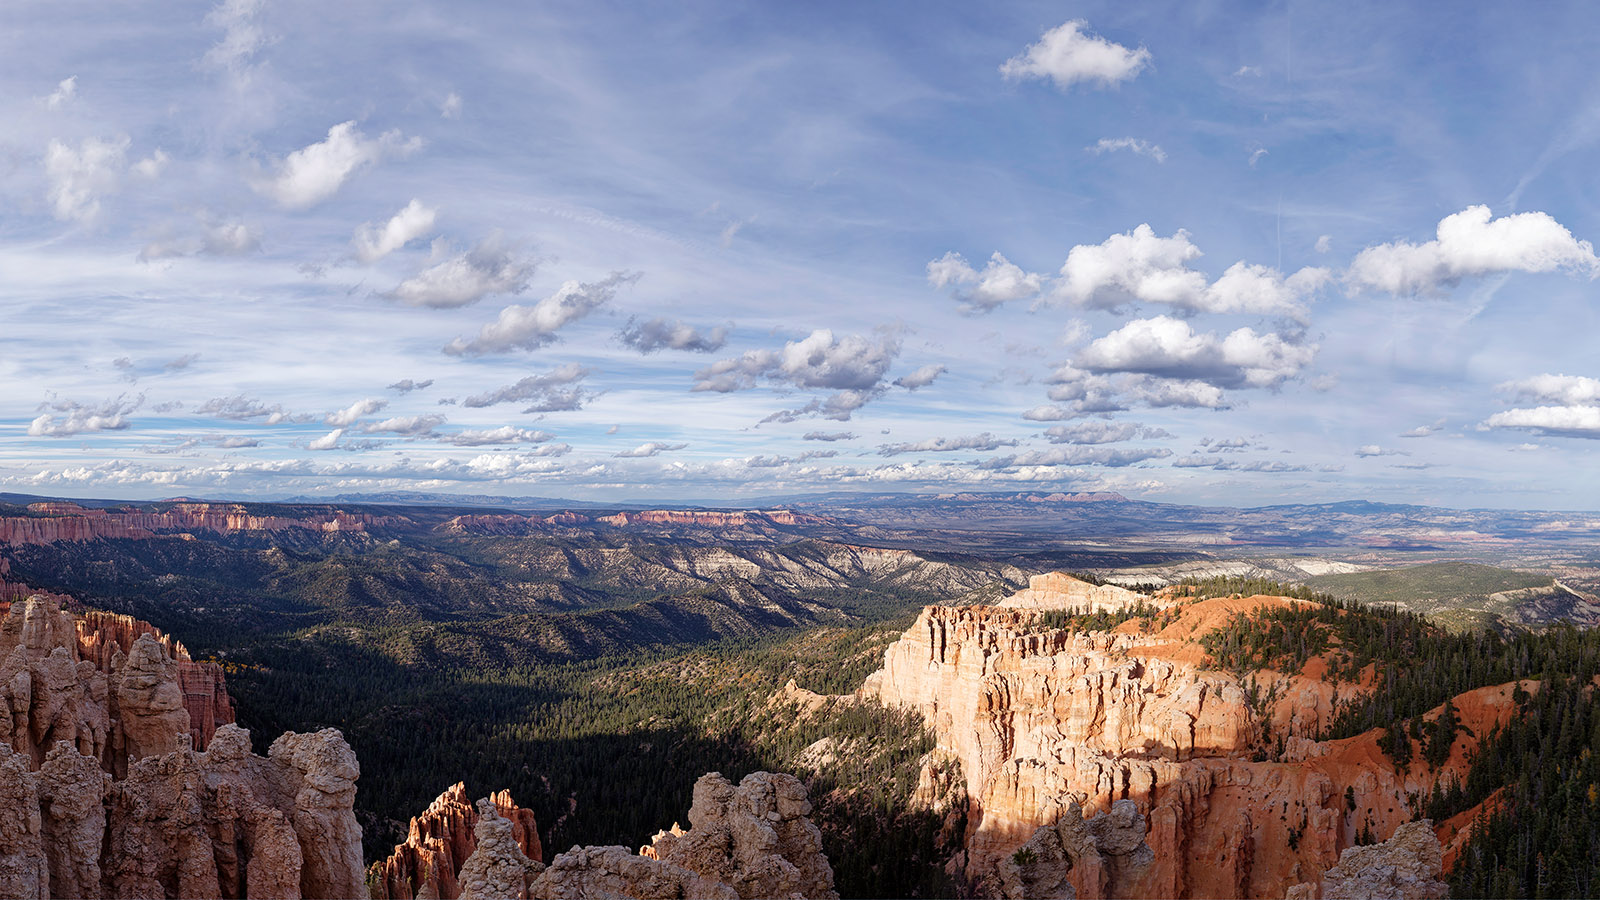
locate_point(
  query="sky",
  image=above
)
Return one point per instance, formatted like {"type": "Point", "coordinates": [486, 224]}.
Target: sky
{"type": "Point", "coordinates": [1218, 253]}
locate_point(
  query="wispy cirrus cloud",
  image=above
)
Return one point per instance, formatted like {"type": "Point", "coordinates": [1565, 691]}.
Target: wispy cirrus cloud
{"type": "Point", "coordinates": [1136, 146]}
{"type": "Point", "coordinates": [559, 390]}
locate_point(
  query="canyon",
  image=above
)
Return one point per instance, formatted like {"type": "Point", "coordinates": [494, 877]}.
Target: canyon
{"type": "Point", "coordinates": [111, 786]}
{"type": "Point", "coordinates": [1054, 724]}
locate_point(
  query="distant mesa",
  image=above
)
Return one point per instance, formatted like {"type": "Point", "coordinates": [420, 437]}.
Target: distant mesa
{"type": "Point", "coordinates": [662, 518]}
{"type": "Point", "coordinates": [53, 521]}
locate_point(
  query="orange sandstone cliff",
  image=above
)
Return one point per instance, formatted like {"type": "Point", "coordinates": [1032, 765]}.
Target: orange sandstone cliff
{"type": "Point", "coordinates": [1050, 723]}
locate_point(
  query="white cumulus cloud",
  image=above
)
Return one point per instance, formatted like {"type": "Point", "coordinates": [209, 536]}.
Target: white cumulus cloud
{"type": "Point", "coordinates": [650, 448]}
{"type": "Point", "coordinates": [65, 418]}
{"type": "Point", "coordinates": [492, 267]}
{"type": "Point", "coordinates": [921, 377]}
{"type": "Point", "coordinates": [1568, 406]}
{"type": "Point", "coordinates": [315, 172]}
{"type": "Point", "coordinates": [354, 411]}
{"type": "Point", "coordinates": [65, 91]}
{"type": "Point", "coordinates": [1169, 348]}
{"type": "Point", "coordinates": [505, 434]}
{"type": "Point", "coordinates": [1069, 54]}
{"type": "Point", "coordinates": [1472, 243]}
{"type": "Point", "coordinates": [1143, 267]}
{"type": "Point", "coordinates": [670, 334]}
{"type": "Point", "coordinates": [328, 441]}
{"type": "Point", "coordinates": [373, 242]}
{"type": "Point", "coordinates": [984, 441]}
{"type": "Point", "coordinates": [1102, 433]}
{"type": "Point", "coordinates": [1000, 281]}
{"type": "Point", "coordinates": [531, 327]}
{"type": "Point", "coordinates": [847, 363]}
{"type": "Point", "coordinates": [559, 390]}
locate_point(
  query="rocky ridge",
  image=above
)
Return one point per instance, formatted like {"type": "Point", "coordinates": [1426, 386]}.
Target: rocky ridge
{"type": "Point", "coordinates": [1054, 590]}
{"type": "Point", "coordinates": [103, 794]}
{"type": "Point", "coordinates": [754, 840]}
{"type": "Point", "coordinates": [1405, 867]}
{"type": "Point", "coordinates": [1050, 723]}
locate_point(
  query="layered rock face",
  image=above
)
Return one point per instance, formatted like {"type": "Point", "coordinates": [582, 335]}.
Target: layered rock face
{"type": "Point", "coordinates": [750, 841]}
{"type": "Point", "coordinates": [439, 843]}
{"type": "Point", "coordinates": [1046, 721]}
{"type": "Point", "coordinates": [1405, 867]}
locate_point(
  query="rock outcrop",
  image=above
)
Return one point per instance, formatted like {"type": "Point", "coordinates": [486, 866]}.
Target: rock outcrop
{"type": "Point", "coordinates": [103, 635]}
{"type": "Point", "coordinates": [1044, 720]}
{"type": "Point", "coordinates": [1076, 856]}
{"type": "Point", "coordinates": [219, 823]}
{"type": "Point", "coordinates": [1053, 590]}
{"type": "Point", "coordinates": [757, 837]}
{"type": "Point", "coordinates": [111, 686]}
{"type": "Point", "coordinates": [440, 842]}
{"type": "Point", "coordinates": [1405, 867]}
{"type": "Point", "coordinates": [750, 841]}
{"type": "Point", "coordinates": [103, 794]}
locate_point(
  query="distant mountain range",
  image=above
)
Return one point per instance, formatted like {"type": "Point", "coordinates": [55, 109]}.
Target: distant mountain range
{"type": "Point", "coordinates": [1032, 521]}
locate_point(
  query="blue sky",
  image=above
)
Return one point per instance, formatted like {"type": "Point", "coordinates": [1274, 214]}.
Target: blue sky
{"type": "Point", "coordinates": [1206, 252]}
